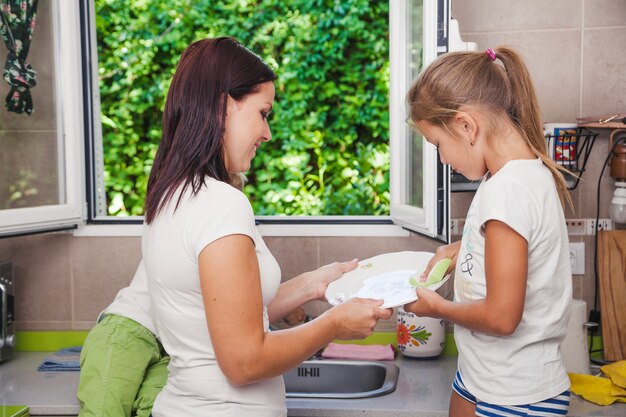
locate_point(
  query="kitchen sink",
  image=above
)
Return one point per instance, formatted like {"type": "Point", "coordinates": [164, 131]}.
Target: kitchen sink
{"type": "Point", "coordinates": [327, 378]}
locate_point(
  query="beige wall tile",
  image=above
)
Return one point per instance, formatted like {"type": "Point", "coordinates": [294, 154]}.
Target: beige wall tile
{"type": "Point", "coordinates": [510, 15]}
{"type": "Point", "coordinates": [556, 75]}
{"type": "Point", "coordinates": [100, 268]}
{"type": "Point", "coordinates": [602, 13]}
{"type": "Point", "coordinates": [604, 74]}
{"type": "Point", "coordinates": [47, 325]}
{"type": "Point", "coordinates": [42, 273]}
{"type": "Point", "coordinates": [588, 281]}
{"type": "Point", "coordinates": [577, 290]}
{"type": "Point", "coordinates": [422, 244]}
{"type": "Point", "coordinates": [294, 255]}
{"type": "Point", "coordinates": [460, 204]}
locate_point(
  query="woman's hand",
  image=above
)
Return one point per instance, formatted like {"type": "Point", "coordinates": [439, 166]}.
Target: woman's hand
{"type": "Point", "coordinates": [357, 317]}
{"type": "Point", "coordinates": [446, 251]}
{"type": "Point", "coordinates": [305, 287]}
{"type": "Point", "coordinates": [319, 279]}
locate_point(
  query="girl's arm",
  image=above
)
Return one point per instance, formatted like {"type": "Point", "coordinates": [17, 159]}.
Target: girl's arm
{"type": "Point", "coordinates": [231, 290]}
{"type": "Point", "coordinates": [306, 287]}
{"type": "Point", "coordinates": [506, 269]}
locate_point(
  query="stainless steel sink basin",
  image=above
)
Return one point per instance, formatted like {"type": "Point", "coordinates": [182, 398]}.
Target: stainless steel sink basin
{"type": "Point", "coordinates": [340, 379]}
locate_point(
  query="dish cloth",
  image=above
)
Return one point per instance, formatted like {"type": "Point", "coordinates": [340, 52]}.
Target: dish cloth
{"type": "Point", "coordinates": [360, 352]}
{"type": "Point", "coordinates": [67, 359]}
{"type": "Point", "coordinates": [600, 390]}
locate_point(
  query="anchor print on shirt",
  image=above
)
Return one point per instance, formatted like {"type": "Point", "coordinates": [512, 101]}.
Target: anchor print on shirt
{"type": "Point", "coordinates": [467, 265]}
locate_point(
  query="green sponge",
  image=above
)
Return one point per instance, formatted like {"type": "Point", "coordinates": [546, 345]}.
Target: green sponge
{"type": "Point", "coordinates": [436, 274]}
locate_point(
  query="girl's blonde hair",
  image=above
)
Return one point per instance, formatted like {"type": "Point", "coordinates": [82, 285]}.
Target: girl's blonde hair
{"type": "Point", "coordinates": [476, 79]}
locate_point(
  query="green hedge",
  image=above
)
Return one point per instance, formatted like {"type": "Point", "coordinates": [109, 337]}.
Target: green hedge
{"type": "Point", "coordinates": [330, 149]}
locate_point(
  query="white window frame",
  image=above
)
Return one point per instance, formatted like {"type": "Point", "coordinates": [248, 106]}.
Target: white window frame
{"type": "Point", "coordinates": [67, 26]}
{"type": "Point", "coordinates": [65, 18]}
{"type": "Point", "coordinates": [422, 220]}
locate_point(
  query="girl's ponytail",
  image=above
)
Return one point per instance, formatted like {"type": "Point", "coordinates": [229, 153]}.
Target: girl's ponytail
{"type": "Point", "coordinates": [526, 115]}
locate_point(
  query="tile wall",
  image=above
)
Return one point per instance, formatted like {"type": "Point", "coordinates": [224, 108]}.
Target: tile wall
{"type": "Point", "coordinates": [574, 50]}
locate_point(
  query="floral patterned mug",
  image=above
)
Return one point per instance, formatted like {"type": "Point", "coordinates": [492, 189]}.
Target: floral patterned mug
{"type": "Point", "coordinates": [419, 337]}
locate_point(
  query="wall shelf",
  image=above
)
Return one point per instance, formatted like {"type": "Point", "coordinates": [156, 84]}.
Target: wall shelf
{"type": "Point", "coordinates": [572, 151]}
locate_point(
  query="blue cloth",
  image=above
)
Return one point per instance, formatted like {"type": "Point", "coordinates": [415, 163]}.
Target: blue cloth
{"type": "Point", "coordinates": [67, 359]}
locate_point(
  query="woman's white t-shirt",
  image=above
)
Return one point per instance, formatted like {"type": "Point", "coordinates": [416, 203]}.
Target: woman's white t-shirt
{"type": "Point", "coordinates": [526, 366]}
{"type": "Point", "coordinates": [196, 387]}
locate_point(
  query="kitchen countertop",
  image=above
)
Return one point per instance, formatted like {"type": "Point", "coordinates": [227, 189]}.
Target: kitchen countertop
{"type": "Point", "coordinates": [423, 391]}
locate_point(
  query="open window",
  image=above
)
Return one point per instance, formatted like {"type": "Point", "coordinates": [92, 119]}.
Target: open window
{"type": "Point", "coordinates": [75, 174]}
{"type": "Point", "coordinates": [42, 186]}
{"type": "Point", "coordinates": [420, 185]}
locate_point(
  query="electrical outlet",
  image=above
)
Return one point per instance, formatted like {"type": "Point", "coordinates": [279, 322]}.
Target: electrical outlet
{"type": "Point", "coordinates": [603, 224]}
{"type": "Point", "coordinates": [577, 257]}
{"type": "Point", "coordinates": [576, 227]}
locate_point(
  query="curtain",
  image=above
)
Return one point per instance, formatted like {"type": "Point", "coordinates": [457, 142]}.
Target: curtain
{"type": "Point", "coordinates": [16, 28]}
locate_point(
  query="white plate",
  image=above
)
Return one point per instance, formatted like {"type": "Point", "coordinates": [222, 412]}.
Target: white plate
{"type": "Point", "coordinates": [383, 277]}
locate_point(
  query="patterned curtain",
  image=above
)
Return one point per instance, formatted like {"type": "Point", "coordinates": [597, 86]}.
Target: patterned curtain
{"type": "Point", "coordinates": [16, 28]}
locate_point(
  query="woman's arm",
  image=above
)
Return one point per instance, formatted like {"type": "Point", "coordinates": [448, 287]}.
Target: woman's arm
{"type": "Point", "coordinates": [506, 269]}
{"type": "Point", "coordinates": [306, 287]}
{"type": "Point", "coordinates": [231, 290]}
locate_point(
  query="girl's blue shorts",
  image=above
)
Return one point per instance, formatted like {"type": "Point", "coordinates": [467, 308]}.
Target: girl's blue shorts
{"type": "Point", "coordinates": [557, 406]}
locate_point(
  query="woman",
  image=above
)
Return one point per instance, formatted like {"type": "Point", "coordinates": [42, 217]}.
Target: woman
{"type": "Point", "coordinates": [214, 285]}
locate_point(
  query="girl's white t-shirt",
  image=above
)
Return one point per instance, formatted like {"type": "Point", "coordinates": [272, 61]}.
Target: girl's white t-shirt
{"type": "Point", "coordinates": [526, 366]}
{"type": "Point", "coordinates": [196, 387]}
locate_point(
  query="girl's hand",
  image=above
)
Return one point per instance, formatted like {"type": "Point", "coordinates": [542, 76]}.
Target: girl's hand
{"type": "Point", "coordinates": [427, 303]}
{"type": "Point", "coordinates": [446, 251]}
{"type": "Point", "coordinates": [319, 279]}
{"type": "Point", "coordinates": [357, 317]}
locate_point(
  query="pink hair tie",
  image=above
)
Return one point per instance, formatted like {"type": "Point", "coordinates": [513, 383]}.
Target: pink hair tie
{"type": "Point", "coordinates": [491, 54]}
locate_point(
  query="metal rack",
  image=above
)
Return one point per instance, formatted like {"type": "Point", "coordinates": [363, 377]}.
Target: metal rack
{"type": "Point", "coordinates": [572, 150]}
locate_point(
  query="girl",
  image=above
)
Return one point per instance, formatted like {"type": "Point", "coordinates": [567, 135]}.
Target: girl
{"type": "Point", "coordinates": [214, 286]}
{"type": "Point", "coordinates": [512, 278]}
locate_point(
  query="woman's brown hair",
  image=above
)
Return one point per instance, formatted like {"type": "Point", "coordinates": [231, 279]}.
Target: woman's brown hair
{"type": "Point", "coordinates": [191, 147]}
{"type": "Point", "coordinates": [476, 79]}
